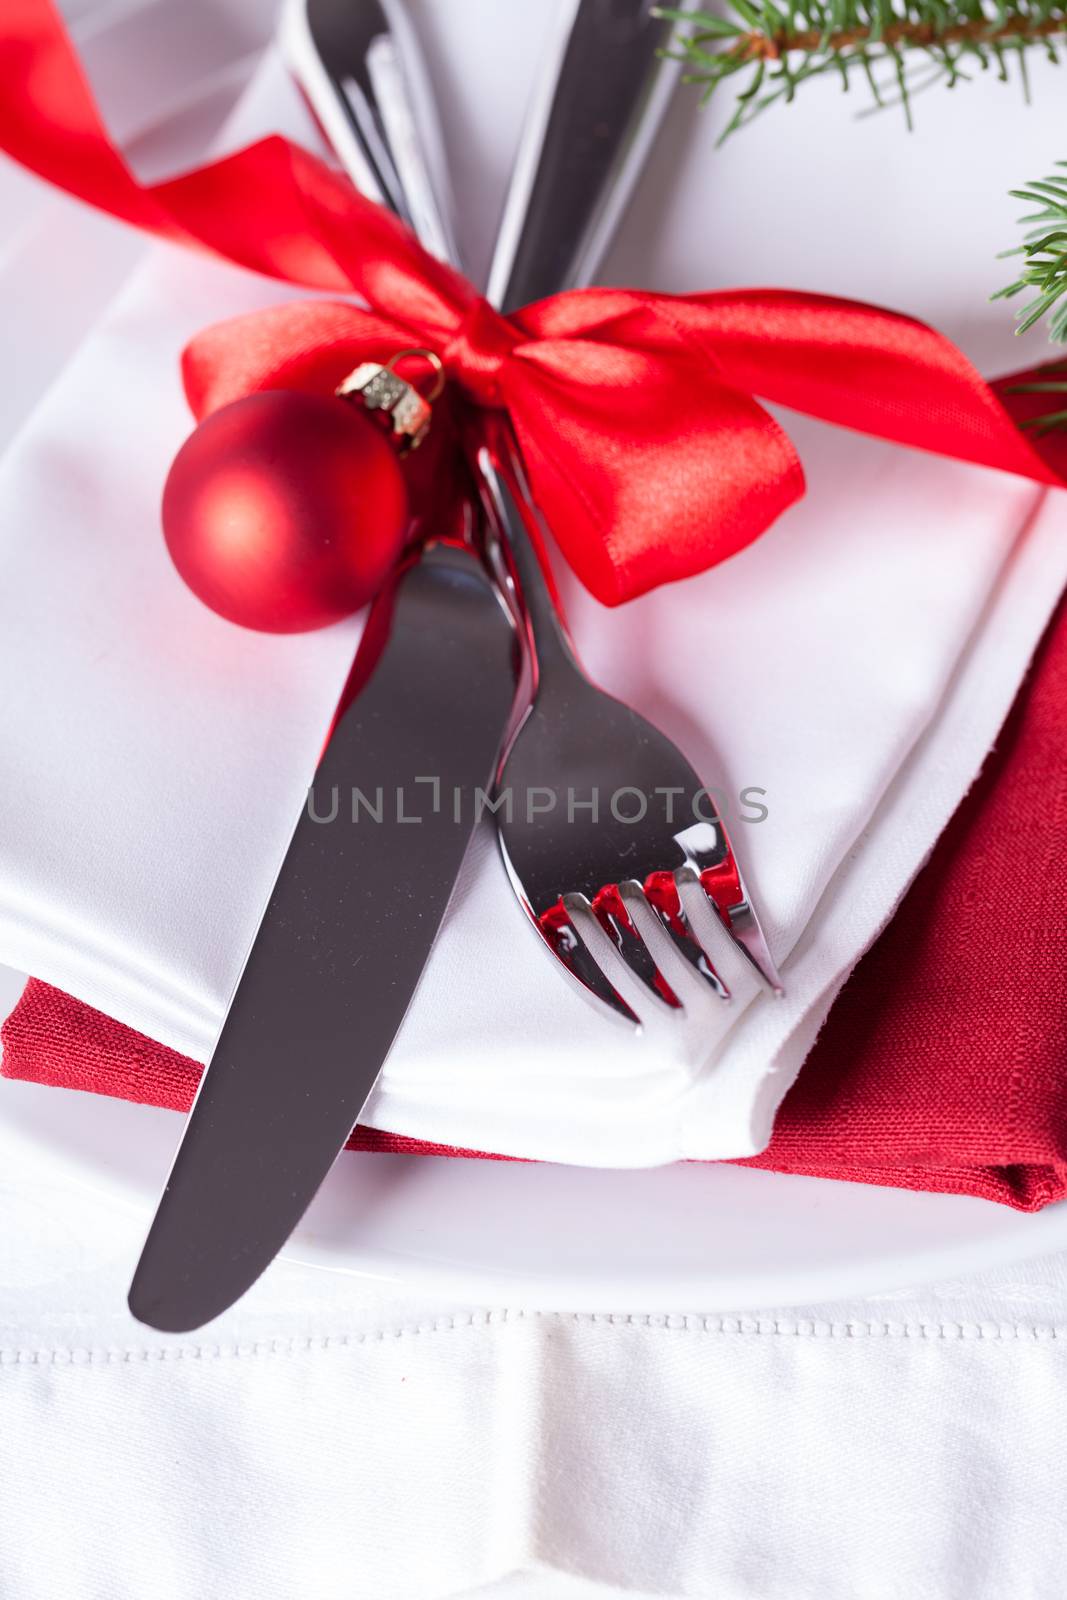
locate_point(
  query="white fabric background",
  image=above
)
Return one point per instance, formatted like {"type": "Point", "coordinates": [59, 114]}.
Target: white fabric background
{"type": "Point", "coordinates": [329, 1441]}
{"type": "Point", "coordinates": [855, 663]}
{"type": "Point", "coordinates": [337, 1441]}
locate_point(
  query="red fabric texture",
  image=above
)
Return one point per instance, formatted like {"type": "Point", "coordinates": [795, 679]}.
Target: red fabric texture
{"type": "Point", "coordinates": [943, 1065]}
{"type": "Point", "coordinates": [642, 436]}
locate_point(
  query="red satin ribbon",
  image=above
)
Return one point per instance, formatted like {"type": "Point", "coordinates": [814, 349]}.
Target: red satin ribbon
{"type": "Point", "coordinates": [636, 412]}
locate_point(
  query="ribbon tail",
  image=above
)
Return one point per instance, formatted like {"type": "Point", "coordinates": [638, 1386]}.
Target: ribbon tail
{"type": "Point", "coordinates": [50, 123]}
{"type": "Point", "coordinates": [868, 369]}
{"type": "Point", "coordinates": [272, 207]}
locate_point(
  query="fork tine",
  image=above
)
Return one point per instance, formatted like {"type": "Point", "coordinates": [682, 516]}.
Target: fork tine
{"type": "Point", "coordinates": [563, 937]}
{"type": "Point", "coordinates": [661, 893]}
{"type": "Point", "coordinates": [738, 916]}
{"type": "Point", "coordinates": [611, 912]}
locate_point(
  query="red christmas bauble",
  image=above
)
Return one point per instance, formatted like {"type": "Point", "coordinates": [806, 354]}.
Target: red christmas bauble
{"type": "Point", "coordinates": [285, 511]}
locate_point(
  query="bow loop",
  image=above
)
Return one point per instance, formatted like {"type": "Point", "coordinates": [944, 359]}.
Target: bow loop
{"type": "Point", "coordinates": [477, 351]}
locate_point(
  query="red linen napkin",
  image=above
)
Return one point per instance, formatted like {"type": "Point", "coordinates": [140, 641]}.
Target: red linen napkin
{"type": "Point", "coordinates": [943, 1064]}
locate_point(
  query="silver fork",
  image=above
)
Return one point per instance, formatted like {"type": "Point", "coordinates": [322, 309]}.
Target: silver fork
{"type": "Point", "coordinates": [598, 811]}
{"type": "Point", "coordinates": [594, 114]}
{"type": "Point", "coordinates": [600, 814]}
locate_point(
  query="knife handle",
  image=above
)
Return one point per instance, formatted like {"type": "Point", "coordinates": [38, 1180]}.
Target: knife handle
{"type": "Point", "coordinates": [594, 112]}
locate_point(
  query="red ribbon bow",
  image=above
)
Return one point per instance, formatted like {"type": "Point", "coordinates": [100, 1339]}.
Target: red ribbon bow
{"type": "Point", "coordinates": [636, 412]}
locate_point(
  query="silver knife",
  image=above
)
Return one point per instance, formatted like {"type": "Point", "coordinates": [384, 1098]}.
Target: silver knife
{"type": "Point", "coordinates": [343, 942]}
{"type": "Point", "coordinates": [356, 906]}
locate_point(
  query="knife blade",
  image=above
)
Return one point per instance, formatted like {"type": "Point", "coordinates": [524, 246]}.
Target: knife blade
{"type": "Point", "coordinates": [342, 944]}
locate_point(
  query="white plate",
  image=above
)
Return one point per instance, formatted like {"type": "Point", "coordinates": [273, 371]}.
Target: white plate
{"type": "Point", "coordinates": [691, 1237]}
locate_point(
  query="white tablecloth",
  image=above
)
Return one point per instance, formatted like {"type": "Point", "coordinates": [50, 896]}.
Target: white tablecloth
{"type": "Point", "coordinates": [333, 1440]}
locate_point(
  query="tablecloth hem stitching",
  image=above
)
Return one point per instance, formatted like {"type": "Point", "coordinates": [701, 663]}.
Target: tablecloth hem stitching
{"type": "Point", "coordinates": [719, 1326]}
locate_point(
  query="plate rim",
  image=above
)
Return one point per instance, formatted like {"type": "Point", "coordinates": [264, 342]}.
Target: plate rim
{"type": "Point", "coordinates": [1017, 1236]}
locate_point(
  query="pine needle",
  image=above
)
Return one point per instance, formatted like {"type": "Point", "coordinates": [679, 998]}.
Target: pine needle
{"type": "Point", "coordinates": [1044, 252]}
{"type": "Point", "coordinates": [767, 53]}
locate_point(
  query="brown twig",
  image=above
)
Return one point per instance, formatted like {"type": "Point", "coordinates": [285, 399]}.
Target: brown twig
{"type": "Point", "coordinates": [906, 35]}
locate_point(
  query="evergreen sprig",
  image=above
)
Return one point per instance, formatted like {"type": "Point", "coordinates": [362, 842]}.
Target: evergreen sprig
{"type": "Point", "coordinates": [1044, 249]}
{"type": "Point", "coordinates": [768, 48]}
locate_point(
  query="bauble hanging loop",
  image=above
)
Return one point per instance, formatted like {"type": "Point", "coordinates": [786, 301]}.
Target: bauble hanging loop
{"type": "Point", "coordinates": [381, 388]}
{"type": "Point", "coordinates": [287, 511]}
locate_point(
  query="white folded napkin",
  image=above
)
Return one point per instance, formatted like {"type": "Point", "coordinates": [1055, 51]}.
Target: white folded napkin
{"type": "Point", "coordinates": [855, 664]}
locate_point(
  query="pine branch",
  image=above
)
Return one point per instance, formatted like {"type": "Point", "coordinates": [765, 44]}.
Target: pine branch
{"type": "Point", "coordinates": [768, 48]}
{"type": "Point", "coordinates": [1044, 269]}
{"type": "Point", "coordinates": [1044, 249]}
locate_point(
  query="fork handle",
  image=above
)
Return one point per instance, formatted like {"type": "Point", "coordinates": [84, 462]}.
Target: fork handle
{"type": "Point", "coordinates": [520, 559]}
